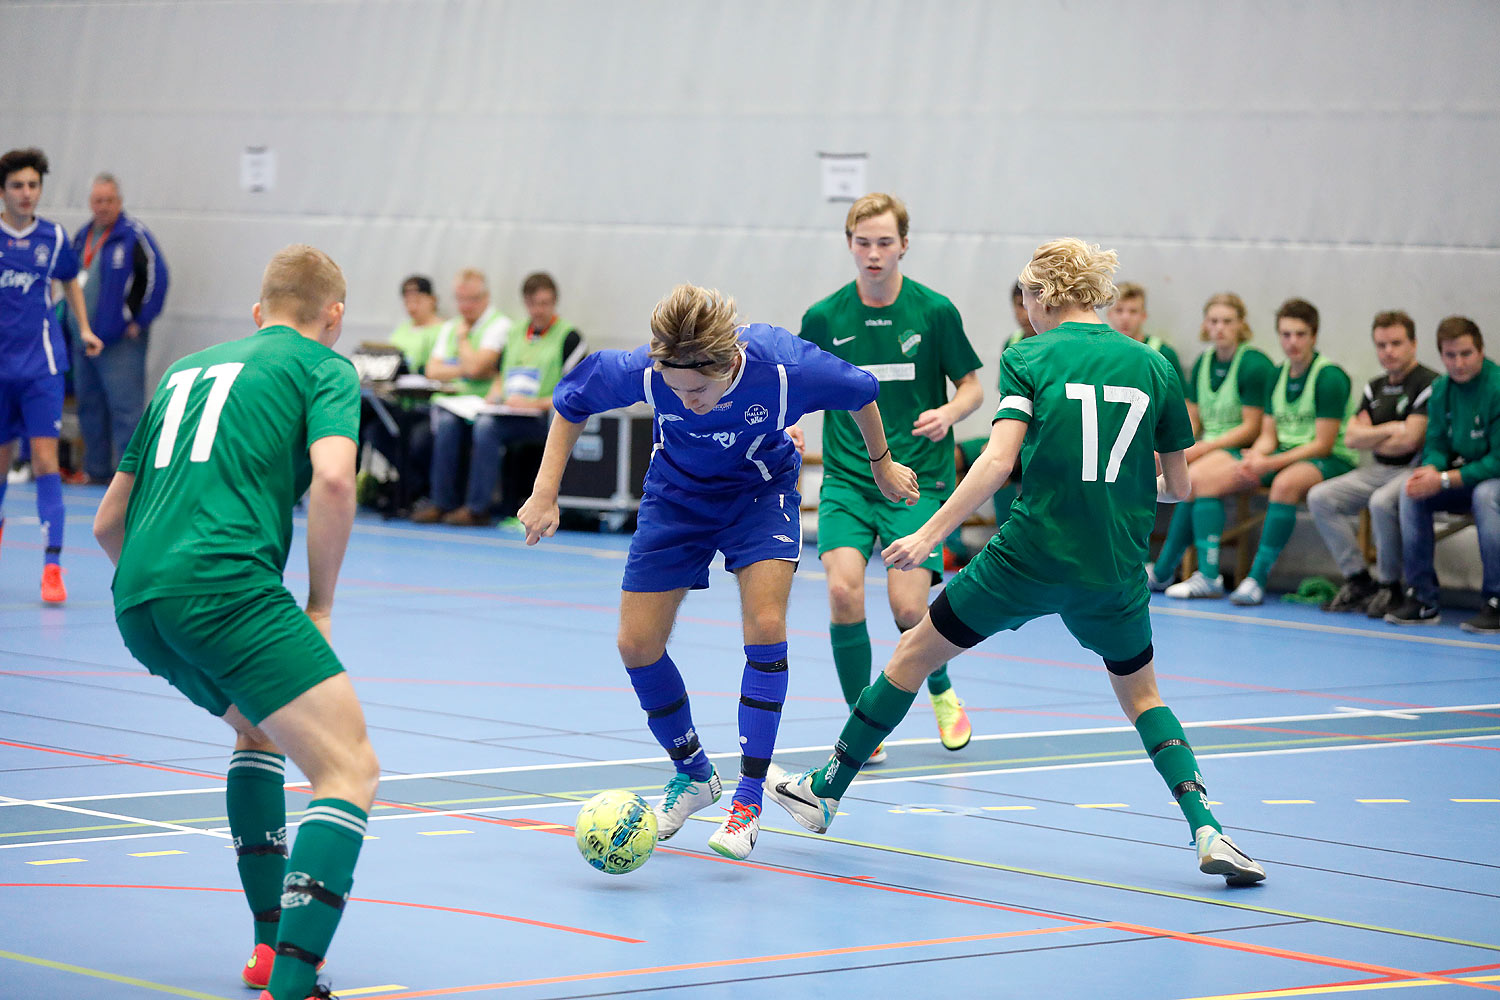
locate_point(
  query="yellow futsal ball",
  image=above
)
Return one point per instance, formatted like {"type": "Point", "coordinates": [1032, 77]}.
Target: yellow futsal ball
{"type": "Point", "coordinates": [616, 832]}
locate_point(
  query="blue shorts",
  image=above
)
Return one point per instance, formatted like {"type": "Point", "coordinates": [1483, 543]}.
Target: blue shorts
{"type": "Point", "coordinates": [31, 407]}
{"type": "Point", "coordinates": [675, 542]}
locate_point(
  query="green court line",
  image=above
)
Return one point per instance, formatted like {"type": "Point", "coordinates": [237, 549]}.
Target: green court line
{"type": "Point", "coordinates": [1144, 890]}
{"type": "Point", "coordinates": [109, 976]}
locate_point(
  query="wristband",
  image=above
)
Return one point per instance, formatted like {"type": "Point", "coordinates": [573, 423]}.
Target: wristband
{"type": "Point", "coordinates": [881, 456]}
{"type": "Point", "coordinates": [1446, 481]}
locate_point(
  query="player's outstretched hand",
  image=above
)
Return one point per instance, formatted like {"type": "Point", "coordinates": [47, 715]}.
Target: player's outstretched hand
{"type": "Point", "coordinates": [907, 553]}
{"type": "Point", "coordinates": [324, 622]}
{"type": "Point", "coordinates": [539, 518]}
{"type": "Point", "coordinates": [897, 482]}
{"type": "Point", "coordinates": [799, 440]}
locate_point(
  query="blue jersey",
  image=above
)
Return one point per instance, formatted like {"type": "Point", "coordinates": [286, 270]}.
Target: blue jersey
{"type": "Point", "coordinates": [742, 443]}
{"type": "Point", "coordinates": [31, 339]}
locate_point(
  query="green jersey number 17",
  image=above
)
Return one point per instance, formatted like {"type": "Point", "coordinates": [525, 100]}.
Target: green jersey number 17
{"type": "Point", "coordinates": [1087, 396]}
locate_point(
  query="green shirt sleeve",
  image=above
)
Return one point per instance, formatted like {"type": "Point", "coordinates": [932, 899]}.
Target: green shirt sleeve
{"type": "Point", "coordinates": [333, 401]}
{"type": "Point", "coordinates": [1435, 448]}
{"type": "Point", "coordinates": [1017, 389]}
{"type": "Point", "coordinates": [1174, 431]}
{"type": "Point", "coordinates": [958, 357]}
{"type": "Point", "coordinates": [1331, 399]}
{"type": "Point", "coordinates": [1257, 379]}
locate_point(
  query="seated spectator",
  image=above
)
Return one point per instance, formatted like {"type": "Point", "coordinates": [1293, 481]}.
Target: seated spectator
{"type": "Point", "coordinates": [1300, 444]}
{"type": "Point", "coordinates": [1460, 473]}
{"type": "Point", "coordinates": [1392, 424]}
{"type": "Point", "coordinates": [1227, 394]}
{"type": "Point", "coordinates": [466, 353]}
{"type": "Point", "coordinates": [533, 361]}
{"type": "Point", "coordinates": [408, 445]}
{"type": "Point", "coordinates": [1128, 316]}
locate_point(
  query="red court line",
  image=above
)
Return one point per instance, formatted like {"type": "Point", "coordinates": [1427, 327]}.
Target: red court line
{"type": "Point", "coordinates": [1298, 956]}
{"type": "Point", "coordinates": [111, 759]}
{"type": "Point", "coordinates": [730, 962]}
{"type": "Point", "coordinates": [1377, 980]}
{"type": "Point", "coordinates": [353, 899]}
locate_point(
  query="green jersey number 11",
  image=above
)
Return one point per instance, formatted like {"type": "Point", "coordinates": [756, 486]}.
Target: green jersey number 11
{"type": "Point", "coordinates": [1087, 396]}
{"type": "Point", "coordinates": [180, 385]}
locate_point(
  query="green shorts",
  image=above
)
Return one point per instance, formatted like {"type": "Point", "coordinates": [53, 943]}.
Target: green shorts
{"type": "Point", "coordinates": [849, 518]}
{"type": "Point", "coordinates": [1328, 466]}
{"type": "Point", "coordinates": [992, 594]}
{"type": "Point", "coordinates": [254, 649]}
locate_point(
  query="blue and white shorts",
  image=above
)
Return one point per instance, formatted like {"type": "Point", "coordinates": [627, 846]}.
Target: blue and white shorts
{"type": "Point", "coordinates": [675, 541]}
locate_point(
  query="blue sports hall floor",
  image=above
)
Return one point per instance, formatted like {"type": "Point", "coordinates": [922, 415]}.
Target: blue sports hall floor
{"type": "Point", "coordinates": [1356, 760]}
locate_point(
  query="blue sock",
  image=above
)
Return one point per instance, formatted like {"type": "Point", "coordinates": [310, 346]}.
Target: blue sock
{"type": "Point", "coordinates": [49, 508]}
{"type": "Point", "coordinates": [662, 694]}
{"type": "Point", "coordinates": [762, 692]}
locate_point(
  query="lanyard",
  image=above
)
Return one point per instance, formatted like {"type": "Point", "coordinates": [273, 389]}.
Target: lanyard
{"type": "Point", "coordinates": [90, 247]}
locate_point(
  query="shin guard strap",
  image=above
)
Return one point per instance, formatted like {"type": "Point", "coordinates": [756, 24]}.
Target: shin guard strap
{"type": "Point", "coordinates": [1168, 743]}
{"type": "Point", "coordinates": [271, 916]}
{"type": "Point", "coordinates": [754, 767]}
{"type": "Point", "coordinates": [685, 751]}
{"type": "Point", "coordinates": [300, 954]}
{"type": "Point", "coordinates": [1185, 787]}
{"type": "Point", "coordinates": [666, 710]}
{"type": "Point", "coordinates": [256, 849]}
{"type": "Point", "coordinates": [315, 890]}
{"type": "Point", "coordinates": [764, 706]}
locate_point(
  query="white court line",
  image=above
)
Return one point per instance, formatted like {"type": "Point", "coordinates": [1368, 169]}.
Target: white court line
{"type": "Point", "coordinates": [1408, 716]}
{"type": "Point", "coordinates": [1220, 616]}
{"type": "Point", "coordinates": [859, 782]}
{"type": "Point", "coordinates": [44, 804]}
{"type": "Point", "coordinates": [1345, 713]}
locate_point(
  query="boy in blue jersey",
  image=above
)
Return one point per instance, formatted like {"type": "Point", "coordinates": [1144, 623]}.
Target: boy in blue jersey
{"type": "Point", "coordinates": [723, 478]}
{"type": "Point", "coordinates": [34, 252]}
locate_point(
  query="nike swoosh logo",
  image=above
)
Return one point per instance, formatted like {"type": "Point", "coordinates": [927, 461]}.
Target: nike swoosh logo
{"type": "Point", "coordinates": [837, 342]}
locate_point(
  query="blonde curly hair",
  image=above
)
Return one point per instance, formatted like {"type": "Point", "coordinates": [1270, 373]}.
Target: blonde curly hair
{"type": "Point", "coordinates": [696, 328]}
{"type": "Point", "coordinates": [1071, 272]}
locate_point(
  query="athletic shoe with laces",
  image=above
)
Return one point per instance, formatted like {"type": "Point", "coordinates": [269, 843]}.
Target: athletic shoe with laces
{"type": "Point", "coordinates": [735, 837]}
{"type": "Point", "coordinates": [1218, 855]}
{"type": "Point", "coordinates": [257, 971]}
{"type": "Point", "coordinates": [794, 793]}
{"type": "Point", "coordinates": [53, 591]}
{"type": "Point", "coordinates": [952, 720]}
{"type": "Point", "coordinates": [683, 797]}
{"type": "Point", "coordinates": [1386, 599]}
{"type": "Point", "coordinates": [1413, 611]}
{"type": "Point", "coordinates": [1248, 593]}
{"type": "Point", "coordinates": [1354, 595]}
{"type": "Point", "coordinates": [878, 757]}
{"type": "Point", "coordinates": [1151, 581]}
{"type": "Point", "coordinates": [1197, 585]}
{"type": "Point", "coordinates": [1487, 622]}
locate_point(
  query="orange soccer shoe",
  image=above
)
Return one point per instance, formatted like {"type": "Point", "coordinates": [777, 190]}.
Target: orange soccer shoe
{"type": "Point", "coordinates": [53, 591]}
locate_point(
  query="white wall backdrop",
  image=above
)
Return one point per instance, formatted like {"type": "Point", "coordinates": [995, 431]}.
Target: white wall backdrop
{"type": "Point", "coordinates": [1341, 150]}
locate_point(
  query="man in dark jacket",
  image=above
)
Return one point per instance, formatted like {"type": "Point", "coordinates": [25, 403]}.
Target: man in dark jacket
{"type": "Point", "coordinates": [124, 280]}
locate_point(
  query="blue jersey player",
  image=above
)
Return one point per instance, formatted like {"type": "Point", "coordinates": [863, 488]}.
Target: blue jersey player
{"type": "Point", "coordinates": [723, 478]}
{"type": "Point", "coordinates": [34, 252]}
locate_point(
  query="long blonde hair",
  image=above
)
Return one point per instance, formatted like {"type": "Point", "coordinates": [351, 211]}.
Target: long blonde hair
{"type": "Point", "coordinates": [1234, 302]}
{"type": "Point", "coordinates": [696, 328]}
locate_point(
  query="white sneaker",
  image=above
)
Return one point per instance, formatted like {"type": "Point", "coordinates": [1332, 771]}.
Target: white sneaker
{"type": "Point", "coordinates": [1248, 593]}
{"type": "Point", "coordinates": [735, 837]}
{"type": "Point", "coordinates": [1197, 585]}
{"type": "Point", "coordinates": [1218, 855]}
{"type": "Point", "coordinates": [1153, 582]}
{"type": "Point", "coordinates": [794, 793]}
{"type": "Point", "coordinates": [878, 757]}
{"type": "Point", "coordinates": [684, 797]}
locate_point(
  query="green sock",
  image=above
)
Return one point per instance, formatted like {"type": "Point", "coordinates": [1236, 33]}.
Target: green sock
{"type": "Point", "coordinates": [1281, 518]}
{"type": "Point", "coordinates": [851, 658]}
{"type": "Point", "coordinates": [880, 709]}
{"type": "Point", "coordinates": [320, 875]}
{"type": "Point", "coordinates": [1179, 537]}
{"type": "Point", "coordinates": [257, 821]}
{"type": "Point", "coordinates": [1164, 740]}
{"type": "Point", "coordinates": [938, 682]}
{"type": "Point", "coordinates": [1208, 528]}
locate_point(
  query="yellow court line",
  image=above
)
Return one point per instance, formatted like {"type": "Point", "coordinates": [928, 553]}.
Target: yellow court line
{"type": "Point", "coordinates": [155, 854]}
{"type": "Point", "coordinates": [1476, 800]}
{"type": "Point", "coordinates": [57, 861]}
{"type": "Point", "coordinates": [366, 990]}
{"type": "Point", "coordinates": [1430, 640]}
{"type": "Point", "coordinates": [1102, 805]}
{"type": "Point", "coordinates": [108, 976]}
{"type": "Point", "coordinates": [442, 833]}
{"type": "Point", "coordinates": [1351, 988]}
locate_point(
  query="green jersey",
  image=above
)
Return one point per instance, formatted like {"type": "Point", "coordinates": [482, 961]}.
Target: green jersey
{"type": "Point", "coordinates": [220, 458]}
{"type": "Point", "coordinates": [1098, 405]}
{"type": "Point", "coordinates": [416, 342]}
{"type": "Point", "coordinates": [913, 346]}
{"type": "Point", "coordinates": [1218, 403]}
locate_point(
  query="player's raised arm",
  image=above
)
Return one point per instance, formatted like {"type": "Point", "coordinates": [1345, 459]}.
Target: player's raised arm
{"type": "Point", "coordinates": [330, 518]}
{"type": "Point", "coordinates": [895, 480]}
